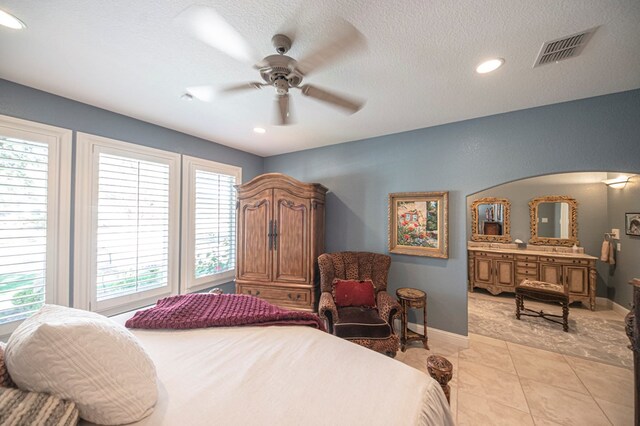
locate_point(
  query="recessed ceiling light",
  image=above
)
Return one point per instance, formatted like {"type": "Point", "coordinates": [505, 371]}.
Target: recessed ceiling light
{"type": "Point", "coordinates": [490, 65]}
{"type": "Point", "coordinates": [259, 130]}
{"type": "Point", "coordinates": [10, 21]}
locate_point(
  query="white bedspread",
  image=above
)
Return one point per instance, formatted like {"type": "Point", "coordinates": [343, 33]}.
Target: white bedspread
{"type": "Point", "coordinates": [283, 376]}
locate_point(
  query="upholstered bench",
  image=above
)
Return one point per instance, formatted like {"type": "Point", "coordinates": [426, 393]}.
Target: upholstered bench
{"type": "Point", "coordinates": [544, 292]}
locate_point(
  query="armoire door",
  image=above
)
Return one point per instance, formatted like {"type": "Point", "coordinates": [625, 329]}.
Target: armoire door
{"type": "Point", "coordinates": [254, 241]}
{"type": "Point", "coordinates": [291, 216]}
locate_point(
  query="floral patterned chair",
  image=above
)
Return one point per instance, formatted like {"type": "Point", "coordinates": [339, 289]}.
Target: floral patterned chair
{"type": "Point", "coordinates": [369, 327]}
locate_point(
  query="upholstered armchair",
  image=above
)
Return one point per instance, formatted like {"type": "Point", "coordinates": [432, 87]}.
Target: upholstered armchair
{"type": "Point", "coordinates": [366, 326]}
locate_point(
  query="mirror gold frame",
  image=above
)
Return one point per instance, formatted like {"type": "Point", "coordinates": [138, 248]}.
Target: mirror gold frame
{"type": "Point", "coordinates": [573, 221]}
{"type": "Point", "coordinates": [476, 236]}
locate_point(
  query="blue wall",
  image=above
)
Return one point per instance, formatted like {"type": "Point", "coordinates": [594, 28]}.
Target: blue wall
{"type": "Point", "coordinates": [596, 134]}
{"type": "Point", "coordinates": [35, 105]}
{"type": "Point", "coordinates": [627, 267]}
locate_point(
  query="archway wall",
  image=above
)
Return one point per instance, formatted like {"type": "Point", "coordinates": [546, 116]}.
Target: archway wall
{"type": "Point", "coordinates": [593, 213]}
{"type": "Point", "coordinates": [595, 134]}
{"type": "Point", "coordinates": [627, 267]}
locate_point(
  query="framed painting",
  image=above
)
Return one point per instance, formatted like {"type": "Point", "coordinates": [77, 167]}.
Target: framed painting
{"type": "Point", "coordinates": [418, 224]}
{"type": "Point", "coordinates": [632, 224]}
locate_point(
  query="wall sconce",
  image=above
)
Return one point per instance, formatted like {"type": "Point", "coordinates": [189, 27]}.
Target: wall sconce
{"type": "Point", "coordinates": [617, 183]}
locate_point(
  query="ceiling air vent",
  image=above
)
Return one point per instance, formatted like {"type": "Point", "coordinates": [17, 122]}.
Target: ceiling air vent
{"type": "Point", "coordinates": [563, 48]}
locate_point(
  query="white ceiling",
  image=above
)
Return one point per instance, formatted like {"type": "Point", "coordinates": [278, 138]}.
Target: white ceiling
{"type": "Point", "coordinates": [130, 57]}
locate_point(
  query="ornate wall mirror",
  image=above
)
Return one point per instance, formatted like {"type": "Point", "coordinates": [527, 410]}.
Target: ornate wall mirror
{"type": "Point", "coordinates": [490, 220]}
{"type": "Point", "coordinates": [554, 221]}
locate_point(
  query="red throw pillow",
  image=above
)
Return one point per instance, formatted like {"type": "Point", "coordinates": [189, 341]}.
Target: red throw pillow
{"type": "Point", "coordinates": [354, 293]}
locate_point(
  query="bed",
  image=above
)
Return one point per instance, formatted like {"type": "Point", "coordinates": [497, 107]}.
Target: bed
{"type": "Point", "coordinates": [286, 375]}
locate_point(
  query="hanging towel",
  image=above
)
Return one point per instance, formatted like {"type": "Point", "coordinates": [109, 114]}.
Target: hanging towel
{"type": "Point", "coordinates": [604, 252]}
{"type": "Point", "coordinates": [612, 253]}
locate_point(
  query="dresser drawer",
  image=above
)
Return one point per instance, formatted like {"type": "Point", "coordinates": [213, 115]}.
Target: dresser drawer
{"type": "Point", "coordinates": [526, 258]}
{"type": "Point", "coordinates": [279, 296]}
{"type": "Point", "coordinates": [527, 271]}
{"type": "Point", "coordinates": [494, 255]}
{"type": "Point", "coordinates": [579, 261]}
{"type": "Point", "coordinates": [553, 259]}
{"type": "Point", "coordinates": [529, 276]}
{"type": "Point", "coordinates": [521, 264]}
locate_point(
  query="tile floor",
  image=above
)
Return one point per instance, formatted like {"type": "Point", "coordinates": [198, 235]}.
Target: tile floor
{"type": "Point", "coordinates": [598, 335]}
{"type": "Point", "coordinates": [496, 382]}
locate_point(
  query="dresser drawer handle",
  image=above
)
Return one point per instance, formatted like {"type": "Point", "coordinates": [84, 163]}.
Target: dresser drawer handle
{"type": "Point", "coordinates": [291, 297]}
{"type": "Point", "coordinates": [251, 294]}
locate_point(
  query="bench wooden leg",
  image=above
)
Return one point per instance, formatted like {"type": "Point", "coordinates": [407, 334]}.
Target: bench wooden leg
{"type": "Point", "coordinates": [518, 305]}
{"type": "Point", "coordinates": [565, 317]}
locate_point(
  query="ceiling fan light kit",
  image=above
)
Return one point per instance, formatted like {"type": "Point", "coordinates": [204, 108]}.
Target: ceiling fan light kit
{"type": "Point", "coordinates": [280, 71]}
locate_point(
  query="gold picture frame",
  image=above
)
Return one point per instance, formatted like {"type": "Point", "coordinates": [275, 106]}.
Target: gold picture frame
{"type": "Point", "coordinates": [419, 224]}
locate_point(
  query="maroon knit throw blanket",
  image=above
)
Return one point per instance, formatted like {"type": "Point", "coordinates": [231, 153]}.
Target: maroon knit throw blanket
{"type": "Point", "coordinates": [202, 310]}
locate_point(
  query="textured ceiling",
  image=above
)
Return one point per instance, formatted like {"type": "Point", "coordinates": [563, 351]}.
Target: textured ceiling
{"type": "Point", "coordinates": [132, 58]}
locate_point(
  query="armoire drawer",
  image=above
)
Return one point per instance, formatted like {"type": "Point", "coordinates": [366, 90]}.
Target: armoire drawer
{"type": "Point", "coordinates": [279, 296]}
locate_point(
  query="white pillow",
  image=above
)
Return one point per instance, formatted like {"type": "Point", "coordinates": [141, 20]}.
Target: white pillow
{"type": "Point", "coordinates": [86, 358]}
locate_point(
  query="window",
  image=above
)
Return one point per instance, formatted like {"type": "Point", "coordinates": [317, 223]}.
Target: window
{"type": "Point", "coordinates": [34, 218]}
{"type": "Point", "coordinates": [208, 223]}
{"type": "Point", "coordinates": [127, 208]}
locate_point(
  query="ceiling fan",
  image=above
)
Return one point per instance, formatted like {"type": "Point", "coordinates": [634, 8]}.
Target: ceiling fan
{"type": "Point", "coordinates": [279, 71]}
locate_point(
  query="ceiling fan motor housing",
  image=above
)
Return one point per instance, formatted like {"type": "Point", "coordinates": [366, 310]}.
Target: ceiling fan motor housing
{"type": "Point", "coordinates": [278, 67]}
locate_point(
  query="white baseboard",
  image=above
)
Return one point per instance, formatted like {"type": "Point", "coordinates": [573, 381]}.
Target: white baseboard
{"type": "Point", "coordinates": [619, 308]}
{"type": "Point", "coordinates": [610, 304]}
{"type": "Point", "coordinates": [440, 336]}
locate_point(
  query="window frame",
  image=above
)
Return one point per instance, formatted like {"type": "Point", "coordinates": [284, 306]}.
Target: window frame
{"type": "Point", "coordinates": [59, 141]}
{"type": "Point", "coordinates": [88, 148]}
{"type": "Point", "coordinates": [188, 282]}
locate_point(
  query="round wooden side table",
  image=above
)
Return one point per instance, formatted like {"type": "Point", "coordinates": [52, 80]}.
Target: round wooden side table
{"type": "Point", "coordinates": [412, 298]}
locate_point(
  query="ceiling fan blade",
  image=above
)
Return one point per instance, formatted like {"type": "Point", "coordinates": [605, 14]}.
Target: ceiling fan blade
{"type": "Point", "coordinates": [347, 40]}
{"type": "Point", "coordinates": [202, 93]}
{"type": "Point", "coordinates": [205, 24]}
{"type": "Point", "coordinates": [282, 106]}
{"type": "Point", "coordinates": [241, 87]}
{"type": "Point", "coordinates": [350, 105]}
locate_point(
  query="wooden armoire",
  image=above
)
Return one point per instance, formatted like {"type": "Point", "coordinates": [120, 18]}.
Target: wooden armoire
{"type": "Point", "coordinates": [280, 234]}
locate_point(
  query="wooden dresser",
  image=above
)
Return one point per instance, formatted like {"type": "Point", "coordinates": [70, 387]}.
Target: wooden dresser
{"type": "Point", "coordinates": [499, 270]}
{"type": "Point", "coordinates": [280, 234]}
